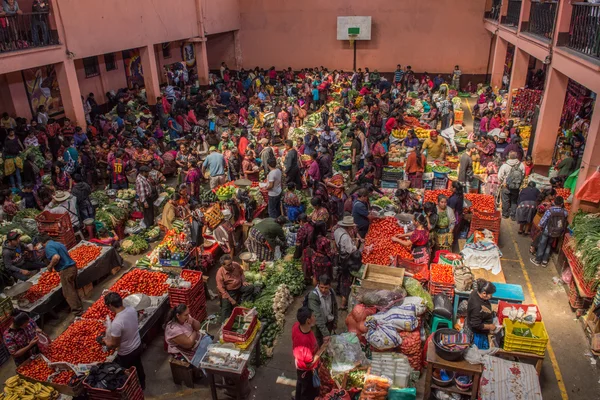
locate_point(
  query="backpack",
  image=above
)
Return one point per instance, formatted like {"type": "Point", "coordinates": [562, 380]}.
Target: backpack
{"type": "Point", "coordinates": [305, 301]}
{"type": "Point", "coordinates": [515, 177]}
{"type": "Point", "coordinates": [556, 223]}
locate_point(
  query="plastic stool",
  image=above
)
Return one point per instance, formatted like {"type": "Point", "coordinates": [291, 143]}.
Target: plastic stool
{"type": "Point", "coordinates": [437, 320]}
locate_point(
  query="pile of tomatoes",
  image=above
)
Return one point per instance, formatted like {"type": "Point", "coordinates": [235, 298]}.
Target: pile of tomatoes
{"type": "Point", "coordinates": [36, 369]}
{"type": "Point", "coordinates": [191, 276]}
{"type": "Point", "coordinates": [382, 250]}
{"type": "Point", "coordinates": [84, 254]}
{"type": "Point", "coordinates": [481, 202]}
{"type": "Point", "coordinates": [442, 273]}
{"type": "Point", "coordinates": [63, 378]}
{"type": "Point", "coordinates": [98, 310]}
{"type": "Point", "coordinates": [78, 345]}
{"type": "Point", "coordinates": [564, 193]}
{"type": "Point", "coordinates": [149, 283]}
{"type": "Point", "coordinates": [47, 282]}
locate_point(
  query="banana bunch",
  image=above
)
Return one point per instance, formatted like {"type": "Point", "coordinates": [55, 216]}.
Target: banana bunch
{"type": "Point", "coordinates": [422, 133]}
{"type": "Point", "coordinates": [16, 388]}
{"type": "Point", "coordinates": [525, 131]}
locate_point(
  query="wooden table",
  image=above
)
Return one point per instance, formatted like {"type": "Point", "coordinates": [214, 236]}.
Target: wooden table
{"type": "Point", "coordinates": [235, 376]}
{"type": "Point", "coordinates": [463, 367]}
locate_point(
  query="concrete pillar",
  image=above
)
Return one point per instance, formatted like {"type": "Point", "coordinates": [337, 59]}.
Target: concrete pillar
{"type": "Point", "coordinates": [18, 94]}
{"type": "Point", "coordinates": [549, 118]}
{"type": "Point", "coordinates": [519, 73]}
{"type": "Point", "coordinates": [498, 59]}
{"type": "Point", "coordinates": [70, 92]}
{"type": "Point", "coordinates": [202, 60]}
{"type": "Point", "coordinates": [237, 45]}
{"type": "Point", "coordinates": [148, 57]}
{"type": "Point", "coordinates": [590, 160]}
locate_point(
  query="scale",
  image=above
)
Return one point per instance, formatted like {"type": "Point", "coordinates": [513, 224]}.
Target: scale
{"type": "Point", "coordinates": [17, 289]}
{"type": "Point", "coordinates": [138, 301]}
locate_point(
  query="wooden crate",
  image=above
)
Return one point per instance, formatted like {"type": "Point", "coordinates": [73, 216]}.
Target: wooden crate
{"type": "Point", "coordinates": [382, 277]}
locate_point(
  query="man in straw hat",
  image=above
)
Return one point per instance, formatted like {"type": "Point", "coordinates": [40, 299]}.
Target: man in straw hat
{"type": "Point", "coordinates": [346, 242]}
{"type": "Point", "coordinates": [62, 202]}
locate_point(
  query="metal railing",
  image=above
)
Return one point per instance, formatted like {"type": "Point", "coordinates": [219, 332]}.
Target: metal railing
{"type": "Point", "coordinates": [584, 33]}
{"type": "Point", "coordinates": [542, 17]}
{"type": "Point", "coordinates": [513, 14]}
{"type": "Point", "coordinates": [24, 31]}
{"type": "Point", "coordinates": [494, 12]}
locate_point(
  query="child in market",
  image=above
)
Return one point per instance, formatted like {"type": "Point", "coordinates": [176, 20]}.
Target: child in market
{"type": "Point", "coordinates": [106, 238]}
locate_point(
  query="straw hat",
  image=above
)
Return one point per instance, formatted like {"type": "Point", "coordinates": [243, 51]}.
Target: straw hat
{"type": "Point", "coordinates": [348, 221]}
{"type": "Point", "coordinates": [263, 141]}
{"type": "Point", "coordinates": [61, 196]}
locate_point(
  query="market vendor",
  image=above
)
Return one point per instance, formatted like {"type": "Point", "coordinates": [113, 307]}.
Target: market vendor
{"type": "Point", "coordinates": [232, 286]}
{"type": "Point", "coordinates": [292, 203]}
{"type": "Point", "coordinates": [183, 336]}
{"type": "Point", "coordinates": [323, 303]}
{"type": "Point", "coordinates": [445, 224]}
{"type": "Point", "coordinates": [224, 234]}
{"type": "Point", "coordinates": [418, 240]}
{"type": "Point", "coordinates": [124, 335]}
{"type": "Point", "coordinates": [265, 236]}
{"type": "Point", "coordinates": [435, 146]}
{"type": "Point", "coordinates": [169, 213]}
{"type": "Point", "coordinates": [21, 338]}
{"type": "Point", "coordinates": [63, 202]}
{"type": "Point", "coordinates": [480, 318]}
{"type": "Point", "coordinates": [61, 262]}
{"type": "Point", "coordinates": [14, 258]}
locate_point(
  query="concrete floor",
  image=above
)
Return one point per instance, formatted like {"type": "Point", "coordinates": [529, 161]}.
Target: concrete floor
{"type": "Point", "coordinates": [568, 370]}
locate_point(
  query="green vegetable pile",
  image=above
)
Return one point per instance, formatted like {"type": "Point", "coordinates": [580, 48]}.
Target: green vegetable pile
{"type": "Point", "coordinates": [586, 232]}
{"type": "Point", "coordinates": [208, 196]}
{"type": "Point", "coordinates": [356, 379]}
{"type": "Point", "coordinates": [30, 213]}
{"type": "Point", "coordinates": [441, 169]}
{"type": "Point", "coordinates": [134, 244]}
{"type": "Point", "coordinates": [288, 272]}
{"type": "Point", "coordinates": [100, 197]}
{"type": "Point", "coordinates": [38, 157]}
{"type": "Point", "coordinates": [383, 202]}
{"type": "Point", "coordinates": [414, 288]}
{"type": "Point", "coordinates": [428, 168]}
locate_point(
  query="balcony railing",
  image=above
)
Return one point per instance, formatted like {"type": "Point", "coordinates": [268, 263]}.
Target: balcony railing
{"type": "Point", "coordinates": [584, 34]}
{"type": "Point", "coordinates": [24, 31]}
{"type": "Point", "coordinates": [494, 12]}
{"type": "Point", "coordinates": [513, 13]}
{"type": "Point", "coordinates": [542, 17]}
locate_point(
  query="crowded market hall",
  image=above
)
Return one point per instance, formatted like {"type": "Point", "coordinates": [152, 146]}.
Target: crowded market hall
{"type": "Point", "coordinates": [360, 230]}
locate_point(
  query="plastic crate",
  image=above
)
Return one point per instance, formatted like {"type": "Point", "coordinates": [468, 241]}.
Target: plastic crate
{"type": "Point", "coordinates": [389, 184]}
{"type": "Point", "coordinates": [234, 337]}
{"type": "Point", "coordinates": [440, 183]}
{"type": "Point", "coordinates": [486, 216]}
{"type": "Point", "coordinates": [588, 288]}
{"type": "Point", "coordinates": [67, 238]}
{"type": "Point", "coordinates": [130, 390]}
{"type": "Point", "coordinates": [441, 288]}
{"type": "Point", "coordinates": [53, 224]}
{"type": "Point", "coordinates": [513, 342]}
{"type": "Point", "coordinates": [186, 296]}
{"type": "Point", "coordinates": [505, 304]}
{"type": "Point", "coordinates": [392, 176]}
{"type": "Point", "coordinates": [575, 300]}
{"type": "Point", "coordinates": [175, 263]}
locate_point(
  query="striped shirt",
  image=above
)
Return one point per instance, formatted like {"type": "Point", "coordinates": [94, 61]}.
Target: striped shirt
{"type": "Point", "coordinates": [398, 75]}
{"type": "Point", "coordinates": [143, 188]}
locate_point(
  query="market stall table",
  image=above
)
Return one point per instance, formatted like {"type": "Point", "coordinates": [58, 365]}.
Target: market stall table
{"type": "Point", "coordinates": [237, 375]}
{"type": "Point", "coordinates": [481, 273]}
{"type": "Point", "coordinates": [95, 270]}
{"type": "Point", "coordinates": [504, 291]}
{"type": "Point", "coordinates": [464, 367]}
{"type": "Point", "coordinates": [519, 356]}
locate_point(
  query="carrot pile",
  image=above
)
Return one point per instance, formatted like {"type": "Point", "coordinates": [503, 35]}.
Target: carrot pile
{"type": "Point", "coordinates": [442, 273]}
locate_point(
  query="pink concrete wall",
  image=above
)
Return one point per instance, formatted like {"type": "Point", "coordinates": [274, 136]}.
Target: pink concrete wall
{"type": "Point", "coordinates": [6, 102]}
{"type": "Point", "coordinates": [176, 56]}
{"type": "Point", "coordinates": [96, 27]}
{"type": "Point", "coordinates": [105, 82]}
{"type": "Point", "coordinates": [429, 35]}
{"type": "Point", "coordinates": [221, 15]}
{"type": "Point", "coordinates": [220, 48]}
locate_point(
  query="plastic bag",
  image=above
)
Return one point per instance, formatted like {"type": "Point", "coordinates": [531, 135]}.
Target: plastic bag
{"type": "Point", "coordinates": [442, 306]}
{"type": "Point", "coordinates": [419, 303]}
{"type": "Point", "coordinates": [402, 394]}
{"type": "Point", "coordinates": [345, 352]}
{"type": "Point", "coordinates": [277, 255]}
{"type": "Point", "coordinates": [414, 288]}
{"type": "Point", "coordinates": [380, 298]}
{"type": "Point", "coordinates": [382, 336]}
